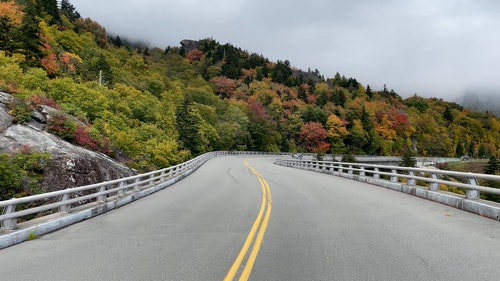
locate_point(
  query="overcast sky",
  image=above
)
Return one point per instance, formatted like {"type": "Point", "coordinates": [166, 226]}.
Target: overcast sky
{"type": "Point", "coordinates": [434, 48]}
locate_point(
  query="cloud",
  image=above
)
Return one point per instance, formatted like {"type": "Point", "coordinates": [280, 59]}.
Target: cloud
{"type": "Point", "coordinates": [432, 48]}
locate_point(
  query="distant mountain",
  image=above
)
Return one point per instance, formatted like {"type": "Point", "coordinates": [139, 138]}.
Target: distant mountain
{"type": "Point", "coordinates": [484, 102]}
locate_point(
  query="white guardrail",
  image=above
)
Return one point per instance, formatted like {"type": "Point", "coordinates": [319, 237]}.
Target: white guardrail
{"type": "Point", "coordinates": [421, 182]}
{"type": "Point", "coordinates": [78, 198]}
{"type": "Point", "coordinates": [410, 176]}
{"type": "Point", "coordinates": [63, 201]}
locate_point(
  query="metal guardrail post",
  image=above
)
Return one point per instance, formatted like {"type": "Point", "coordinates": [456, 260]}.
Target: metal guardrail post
{"type": "Point", "coordinates": [99, 192]}
{"type": "Point", "coordinates": [102, 198]}
{"type": "Point", "coordinates": [434, 185]}
{"type": "Point", "coordinates": [67, 207]}
{"type": "Point", "coordinates": [151, 179]}
{"type": "Point", "coordinates": [472, 193]}
{"type": "Point", "coordinates": [394, 178]}
{"type": "Point", "coordinates": [136, 184]}
{"type": "Point", "coordinates": [121, 192]}
{"type": "Point", "coordinates": [412, 181]}
{"type": "Point", "coordinates": [9, 223]}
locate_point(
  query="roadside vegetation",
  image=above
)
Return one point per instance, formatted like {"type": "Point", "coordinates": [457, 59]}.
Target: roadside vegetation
{"type": "Point", "coordinates": [162, 106]}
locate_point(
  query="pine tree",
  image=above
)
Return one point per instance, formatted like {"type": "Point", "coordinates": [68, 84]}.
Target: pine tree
{"type": "Point", "coordinates": [7, 35]}
{"type": "Point", "coordinates": [493, 166]}
{"type": "Point", "coordinates": [365, 119]}
{"type": "Point", "coordinates": [187, 124]}
{"type": "Point", "coordinates": [369, 91]}
{"type": "Point", "coordinates": [447, 115]}
{"type": "Point", "coordinates": [69, 10]}
{"type": "Point", "coordinates": [407, 159]}
{"type": "Point", "coordinates": [459, 151]}
{"type": "Point", "coordinates": [29, 40]}
{"type": "Point", "coordinates": [49, 11]}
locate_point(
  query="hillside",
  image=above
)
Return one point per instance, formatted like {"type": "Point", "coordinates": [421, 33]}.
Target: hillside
{"type": "Point", "coordinates": [155, 107]}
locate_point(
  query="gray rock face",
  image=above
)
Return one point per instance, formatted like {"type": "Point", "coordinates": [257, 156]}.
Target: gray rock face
{"type": "Point", "coordinates": [71, 165]}
{"type": "Point", "coordinates": [190, 45]}
{"type": "Point", "coordinates": [5, 119]}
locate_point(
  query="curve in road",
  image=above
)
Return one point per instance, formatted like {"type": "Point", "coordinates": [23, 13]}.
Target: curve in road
{"type": "Point", "coordinates": [321, 228]}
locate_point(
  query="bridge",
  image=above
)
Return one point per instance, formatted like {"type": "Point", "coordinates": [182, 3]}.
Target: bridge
{"type": "Point", "coordinates": [242, 217]}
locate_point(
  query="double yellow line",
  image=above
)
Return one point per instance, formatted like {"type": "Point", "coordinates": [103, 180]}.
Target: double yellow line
{"type": "Point", "coordinates": [259, 224]}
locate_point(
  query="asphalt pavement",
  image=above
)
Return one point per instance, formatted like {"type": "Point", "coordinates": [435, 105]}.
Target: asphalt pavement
{"type": "Point", "coordinates": [319, 227]}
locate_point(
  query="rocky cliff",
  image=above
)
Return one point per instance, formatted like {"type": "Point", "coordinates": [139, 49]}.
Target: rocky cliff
{"type": "Point", "coordinates": [71, 165]}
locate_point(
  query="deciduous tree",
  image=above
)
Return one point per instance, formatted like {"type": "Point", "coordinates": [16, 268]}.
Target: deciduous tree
{"type": "Point", "coordinates": [313, 137]}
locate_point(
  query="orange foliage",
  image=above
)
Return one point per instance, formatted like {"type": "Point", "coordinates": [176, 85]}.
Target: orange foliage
{"type": "Point", "coordinates": [13, 11]}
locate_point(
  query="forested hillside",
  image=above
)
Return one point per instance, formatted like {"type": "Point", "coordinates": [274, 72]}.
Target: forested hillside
{"type": "Point", "coordinates": [160, 106]}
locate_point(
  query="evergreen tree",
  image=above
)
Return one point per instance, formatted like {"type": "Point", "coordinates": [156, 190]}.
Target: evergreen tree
{"type": "Point", "coordinates": [408, 159]}
{"type": "Point", "coordinates": [365, 120]}
{"type": "Point", "coordinates": [369, 91]}
{"type": "Point", "coordinates": [301, 94]}
{"type": "Point", "coordinates": [348, 158]}
{"type": "Point", "coordinates": [8, 35]}
{"type": "Point", "coordinates": [29, 40]}
{"type": "Point", "coordinates": [493, 166]}
{"type": "Point", "coordinates": [447, 115]}
{"type": "Point", "coordinates": [69, 10]}
{"type": "Point", "coordinates": [103, 69]}
{"type": "Point", "coordinates": [188, 122]}
{"type": "Point", "coordinates": [459, 151]}
{"type": "Point", "coordinates": [49, 11]}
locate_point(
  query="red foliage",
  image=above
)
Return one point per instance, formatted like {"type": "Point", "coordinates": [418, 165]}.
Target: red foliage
{"type": "Point", "coordinates": [400, 120]}
{"type": "Point", "coordinates": [36, 101]}
{"type": "Point", "coordinates": [225, 87]}
{"type": "Point", "coordinates": [194, 55]}
{"type": "Point", "coordinates": [83, 138]}
{"type": "Point", "coordinates": [59, 125]}
{"type": "Point", "coordinates": [313, 136]}
{"type": "Point", "coordinates": [257, 109]}
{"type": "Point", "coordinates": [312, 99]}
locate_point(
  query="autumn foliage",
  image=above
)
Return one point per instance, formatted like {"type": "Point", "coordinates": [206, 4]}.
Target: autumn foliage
{"type": "Point", "coordinates": [161, 106]}
{"type": "Point", "coordinates": [314, 137]}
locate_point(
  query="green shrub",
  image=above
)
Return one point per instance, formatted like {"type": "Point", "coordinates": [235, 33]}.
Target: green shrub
{"type": "Point", "coordinates": [60, 125]}
{"type": "Point", "coordinates": [20, 110]}
{"type": "Point", "coordinates": [21, 173]}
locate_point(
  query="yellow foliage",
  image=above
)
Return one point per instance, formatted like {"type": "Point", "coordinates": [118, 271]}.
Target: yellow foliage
{"type": "Point", "coordinates": [336, 128]}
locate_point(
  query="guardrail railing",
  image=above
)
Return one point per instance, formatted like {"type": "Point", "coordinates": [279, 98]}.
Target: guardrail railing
{"type": "Point", "coordinates": [406, 175]}
{"type": "Point", "coordinates": [63, 201]}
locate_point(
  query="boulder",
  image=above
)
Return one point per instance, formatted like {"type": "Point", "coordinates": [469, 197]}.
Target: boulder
{"type": "Point", "coordinates": [190, 45]}
{"type": "Point", "coordinates": [71, 165]}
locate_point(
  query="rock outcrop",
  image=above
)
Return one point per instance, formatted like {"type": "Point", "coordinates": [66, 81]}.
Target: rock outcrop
{"type": "Point", "coordinates": [190, 45]}
{"type": "Point", "coordinates": [71, 165]}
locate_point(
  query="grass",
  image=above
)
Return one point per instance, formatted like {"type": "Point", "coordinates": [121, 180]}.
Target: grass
{"type": "Point", "coordinates": [471, 166]}
{"type": "Point", "coordinates": [32, 235]}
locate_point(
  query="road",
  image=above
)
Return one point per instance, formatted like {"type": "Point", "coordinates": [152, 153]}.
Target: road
{"type": "Point", "coordinates": [319, 227]}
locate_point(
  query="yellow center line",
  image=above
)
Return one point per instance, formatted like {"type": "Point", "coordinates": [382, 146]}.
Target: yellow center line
{"type": "Point", "coordinates": [259, 224]}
